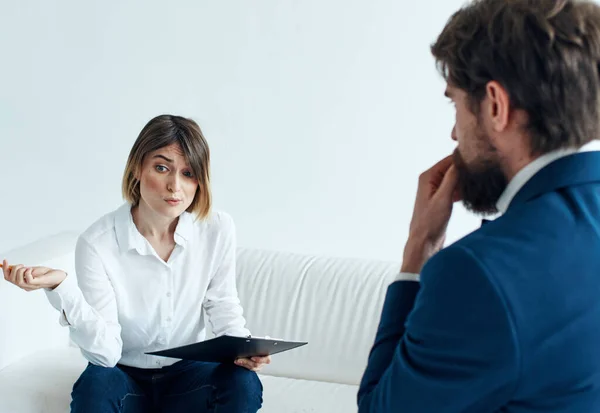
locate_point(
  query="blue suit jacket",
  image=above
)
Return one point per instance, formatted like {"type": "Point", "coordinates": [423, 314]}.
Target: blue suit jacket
{"type": "Point", "coordinates": [506, 319]}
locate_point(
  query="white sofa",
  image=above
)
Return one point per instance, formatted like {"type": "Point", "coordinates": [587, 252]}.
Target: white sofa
{"type": "Point", "coordinates": [332, 303]}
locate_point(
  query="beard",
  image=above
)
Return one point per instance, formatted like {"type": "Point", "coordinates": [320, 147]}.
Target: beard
{"type": "Point", "coordinates": [482, 182]}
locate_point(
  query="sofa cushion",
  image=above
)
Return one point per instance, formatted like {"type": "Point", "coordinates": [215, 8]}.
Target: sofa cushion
{"type": "Point", "coordinates": [42, 383]}
{"type": "Point", "coordinates": [333, 303]}
{"type": "Point", "coordinates": [283, 395]}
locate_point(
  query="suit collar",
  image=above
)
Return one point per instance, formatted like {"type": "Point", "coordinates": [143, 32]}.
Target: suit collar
{"type": "Point", "coordinates": [525, 174]}
{"type": "Point", "coordinates": [575, 169]}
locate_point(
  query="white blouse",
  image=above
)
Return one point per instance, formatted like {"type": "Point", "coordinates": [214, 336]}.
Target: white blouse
{"type": "Point", "coordinates": [125, 300]}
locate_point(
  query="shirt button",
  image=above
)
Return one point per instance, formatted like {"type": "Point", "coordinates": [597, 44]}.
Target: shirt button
{"type": "Point", "coordinates": [169, 319]}
{"type": "Point", "coordinates": [169, 294]}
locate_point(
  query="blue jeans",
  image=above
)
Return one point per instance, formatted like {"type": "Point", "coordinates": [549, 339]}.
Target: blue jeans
{"type": "Point", "coordinates": [184, 387]}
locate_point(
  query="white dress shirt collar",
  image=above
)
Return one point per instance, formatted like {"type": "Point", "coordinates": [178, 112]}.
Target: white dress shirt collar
{"type": "Point", "coordinates": [130, 238]}
{"type": "Point", "coordinates": [525, 174]}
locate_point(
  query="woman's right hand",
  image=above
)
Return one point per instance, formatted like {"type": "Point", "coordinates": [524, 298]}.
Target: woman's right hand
{"type": "Point", "coordinates": [33, 278]}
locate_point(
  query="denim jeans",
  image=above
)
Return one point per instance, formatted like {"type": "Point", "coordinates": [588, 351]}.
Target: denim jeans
{"type": "Point", "coordinates": [185, 387]}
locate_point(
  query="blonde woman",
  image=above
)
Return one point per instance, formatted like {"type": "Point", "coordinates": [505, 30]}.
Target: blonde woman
{"type": "Point", "coordinates": [147, 273]}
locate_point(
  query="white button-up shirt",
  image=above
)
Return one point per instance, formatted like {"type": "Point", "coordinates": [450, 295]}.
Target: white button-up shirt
{"type": "Point", "coordinates": [125, 300]}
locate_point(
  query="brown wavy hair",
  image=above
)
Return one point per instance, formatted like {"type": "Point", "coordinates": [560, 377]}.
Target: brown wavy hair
{"type": "Point", "coordinates": [165, 130]}
{"type": "Point", "coordinates": [545, 53]}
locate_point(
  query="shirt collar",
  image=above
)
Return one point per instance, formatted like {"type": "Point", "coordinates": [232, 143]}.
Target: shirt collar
{"type": "Point", "coordinates": [525, 174]}
{"type": "Point", "coordinates": [185, 228]}
{"type": "Point", "coordinates": [128, 236]}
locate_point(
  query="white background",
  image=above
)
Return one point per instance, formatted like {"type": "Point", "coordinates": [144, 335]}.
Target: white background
{"type": "Point", "coordinates": [320, 114]}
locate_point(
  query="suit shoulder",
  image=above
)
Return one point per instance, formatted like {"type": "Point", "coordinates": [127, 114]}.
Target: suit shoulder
{"type": "Point", "coordinates": [456, 256]}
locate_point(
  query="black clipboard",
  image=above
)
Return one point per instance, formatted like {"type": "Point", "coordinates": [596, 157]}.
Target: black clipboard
{"type": "Point", "coordinates": [225, 349]}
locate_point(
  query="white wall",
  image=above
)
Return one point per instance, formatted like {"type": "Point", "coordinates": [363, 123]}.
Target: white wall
{"type": "Point", "coordinates": [320, 114]}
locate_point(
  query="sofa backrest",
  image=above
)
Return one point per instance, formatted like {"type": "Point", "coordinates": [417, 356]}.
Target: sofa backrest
{"type": "Point", "coordinates": [333, 303]}
{"type": "Point", "coordinates": [28, 323]}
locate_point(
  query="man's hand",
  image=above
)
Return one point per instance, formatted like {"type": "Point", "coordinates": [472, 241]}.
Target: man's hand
{"type": "Point", "coordinates": [253, 363]}
{"type": "Point", "coordinates": [32, 278]}
{"type": "Point", "coordinates": [436, 194]}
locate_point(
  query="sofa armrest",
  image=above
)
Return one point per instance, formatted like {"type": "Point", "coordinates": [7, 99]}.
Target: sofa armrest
{"type": "Point", "coordinates": [28, 322]}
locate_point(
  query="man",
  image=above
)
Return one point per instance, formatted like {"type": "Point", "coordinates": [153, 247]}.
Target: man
{"type": "Point", "coordinates": [508, 318]}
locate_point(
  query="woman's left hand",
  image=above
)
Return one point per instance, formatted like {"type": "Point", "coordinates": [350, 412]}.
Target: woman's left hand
{"type": "Point", "coordinates": [253, 363]}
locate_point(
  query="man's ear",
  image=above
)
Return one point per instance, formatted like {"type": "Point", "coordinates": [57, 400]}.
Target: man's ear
{"type": "Point", "coordinates": [497, 106]}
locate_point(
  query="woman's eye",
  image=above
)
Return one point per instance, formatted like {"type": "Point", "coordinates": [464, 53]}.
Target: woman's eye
{"type": "Point", "coordinates": [188, 174]}
{"type": "Point", "coordinates": [160, 168]}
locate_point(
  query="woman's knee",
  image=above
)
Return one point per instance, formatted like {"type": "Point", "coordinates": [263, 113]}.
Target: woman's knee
{"type": "Point", "coordinates": [101, 389]}
{"type": "Point", "coordinates": [246, 381]}
{"type": "Point", "coordinates": [96, 378]}
{"type": "Point", "coordinates": [238, 389]}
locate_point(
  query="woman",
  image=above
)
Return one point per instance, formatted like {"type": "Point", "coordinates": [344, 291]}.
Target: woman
{"type": "Point", "coordinates": [146, 275]}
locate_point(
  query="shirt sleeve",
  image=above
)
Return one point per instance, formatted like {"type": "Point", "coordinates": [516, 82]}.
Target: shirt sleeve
{"type": "Point", "coordinates": [408, 276]}
{"type": "Point", "coordinates": [88, 307]}
{"type": "Point", "coordinates": [222, 303]}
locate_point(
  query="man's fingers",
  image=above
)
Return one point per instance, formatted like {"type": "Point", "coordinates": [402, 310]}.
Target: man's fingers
{"type": "Point", "coordinates": [443, 165]}
{"type": "Point", "coordinates": [457, 195]}
{"type": "Point", "coordinates": [431, 180]}
{"type": "Point", "coordinates": [447, 188]}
